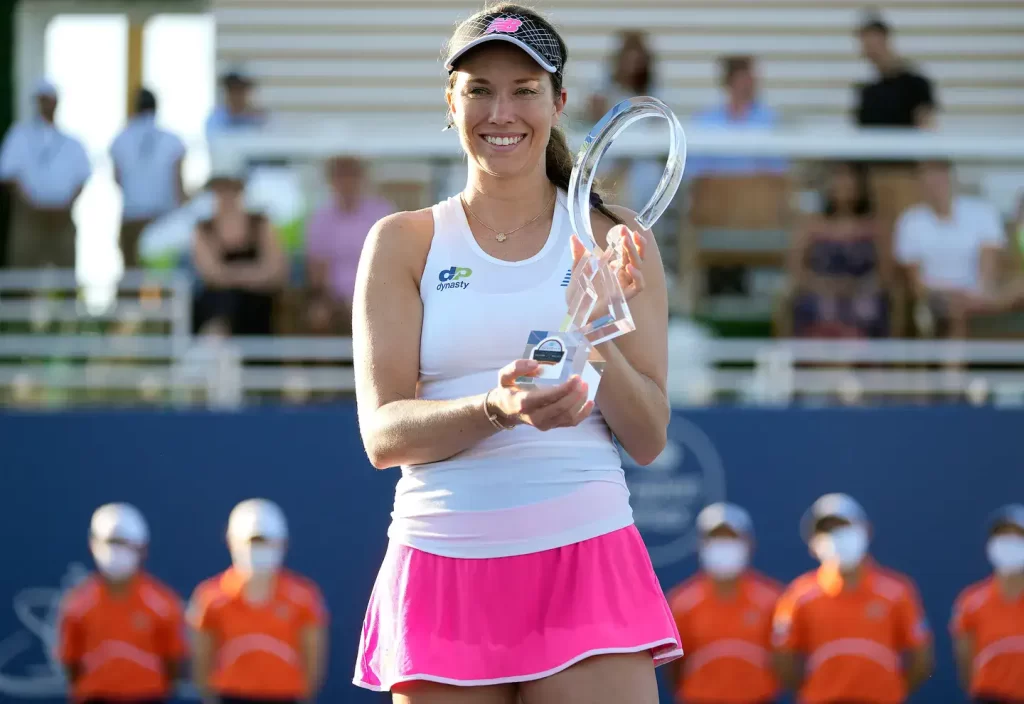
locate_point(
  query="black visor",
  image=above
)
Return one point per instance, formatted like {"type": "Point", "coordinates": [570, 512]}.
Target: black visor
{"type": "Point", "coordinates": [529, 35]}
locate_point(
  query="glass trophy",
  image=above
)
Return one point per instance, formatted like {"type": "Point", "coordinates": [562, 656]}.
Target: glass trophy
{"type": "Point", "coordinates": [597, 310]}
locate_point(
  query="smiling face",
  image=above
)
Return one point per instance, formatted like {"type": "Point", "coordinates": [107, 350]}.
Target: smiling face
{"type": "Point", "coordinates": [504, 106]}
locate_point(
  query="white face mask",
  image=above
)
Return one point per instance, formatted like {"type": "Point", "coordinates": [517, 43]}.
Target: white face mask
{"type": "Point", "coordinates": [845, 546]}
{"type": "Point", "coordinates": [1006, 553]}
{"type": "Point", "coordinates": [258, 559]}
{"type": "Point", "coordinates": [115, 562]}
{"type": "Point", "coordinates": [724, 558]}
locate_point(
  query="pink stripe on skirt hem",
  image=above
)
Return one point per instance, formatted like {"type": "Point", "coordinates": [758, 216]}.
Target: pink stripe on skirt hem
{"type": "Point", "coordinates": [475, 622]}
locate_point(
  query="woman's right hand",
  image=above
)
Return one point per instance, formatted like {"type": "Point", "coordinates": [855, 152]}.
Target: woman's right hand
{"type": "Point", "coordinates": [544, 407]}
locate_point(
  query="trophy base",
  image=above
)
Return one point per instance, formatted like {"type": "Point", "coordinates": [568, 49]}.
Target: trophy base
{"type": "Point", "coordinates": [563, 355]}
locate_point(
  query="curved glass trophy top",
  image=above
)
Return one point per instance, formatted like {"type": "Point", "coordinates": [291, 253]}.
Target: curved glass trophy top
{"type": "Point", "coordinates": [596, 144]}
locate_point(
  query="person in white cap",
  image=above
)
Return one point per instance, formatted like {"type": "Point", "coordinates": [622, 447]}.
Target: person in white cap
{"type": "Point", "coordinates": [988, 618]}
{"type": "Point", "coordinates": [46, 170]}
{"type": "Point", "coordinates": [724, 615]}
{"type": "Point", "coordinates": [121, 631]}
{"type": "Point", "coordinates": [259, 629]}
{"type": "Point", "coordinates": [850, 631]}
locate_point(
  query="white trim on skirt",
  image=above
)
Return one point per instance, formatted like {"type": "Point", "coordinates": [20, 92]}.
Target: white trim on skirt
{"type": "Point", "coordinates": [659, 660]}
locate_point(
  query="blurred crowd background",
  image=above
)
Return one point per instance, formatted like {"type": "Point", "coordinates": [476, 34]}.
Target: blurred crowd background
{"type": "Point", "coordinates": [243, 173]}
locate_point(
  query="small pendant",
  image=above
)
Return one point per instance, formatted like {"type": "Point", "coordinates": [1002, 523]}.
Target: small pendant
{"type": "Point", "coordinates": [501, 237]}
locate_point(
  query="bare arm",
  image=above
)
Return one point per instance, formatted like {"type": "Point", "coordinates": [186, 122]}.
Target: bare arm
{"type": "Point", "coordinates": [203, 652]}
{"type": "Point", "coordinates": [314, 656]}
{"type": "Point", "coordinates": [270, 271]}
{"type": "Point", "coordinates": [387, 317]}
{"type": "Point", "coordinates": [179, 181]}
{"type": "Point", "coordinates": [963, 653]}
{"type": "Point", "coordinates": [632, 396]}
{"type": "Point", "coordinates": [789, 668]}
{"type": "Point", "coordinates": [920, 664]}
{"type": "Point", "coordinates": [211, 269]}
{"type": "Point", "coordinates": [989, 264]}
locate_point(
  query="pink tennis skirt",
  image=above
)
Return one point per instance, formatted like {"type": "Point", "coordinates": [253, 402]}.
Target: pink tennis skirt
{"type": "Point", "coordinates": [473, 622]}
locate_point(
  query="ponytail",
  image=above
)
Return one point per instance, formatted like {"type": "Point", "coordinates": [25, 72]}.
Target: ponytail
{"type": "Point", "coordinates": [559, 170]}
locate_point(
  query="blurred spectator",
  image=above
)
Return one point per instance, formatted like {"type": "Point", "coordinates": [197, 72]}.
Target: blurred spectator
{"type": "Point", "coordinates": [334, 241]}
{"type": "Point", "coordinates": [240, 264]}
{"type": "Point", "coordinates": [839, 267]}
{"type": "Point", "coordinates": [148, 168]}
{"type": "Point", "coordinates": [899, 96]}
{"type": "Point", "coordinates": [724, 616]}
{"type": "Point", "coordinates": [46, 170]}
{"type": "Point", "coordinates": [631, 73]}
{"type": "Point", "coordinates": [741, 109]}
{"type": "Point", "coordinates": [850, 631]}
{"type": "Point", "coordinates": [988, 618]}
{"type": "Point", "coordinates": [259, 629]}
{"type": "Point", "coordinates": [951, 245]}
{"type": "Point", "coordinates": [119, 610]}
{"type": "Point", "coordinates": [237, 111]}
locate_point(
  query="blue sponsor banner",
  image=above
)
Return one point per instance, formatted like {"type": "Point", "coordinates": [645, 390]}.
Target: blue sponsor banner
{"type": "Point", "coordinates": [927, 477]}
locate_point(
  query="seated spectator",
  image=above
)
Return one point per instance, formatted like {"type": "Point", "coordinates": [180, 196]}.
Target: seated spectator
{"type": "Point", "coordinates": [899, 96]}
{"type": "Point", "coordinates": [951, 246]}
{"type": "Point", "coordinates": [839, 267]}
{"type": "Point", "coordinates": [741, 109]}
{"type": "Point", "coordinates": [237, 110]}
{"type": "Point", "coordinates": [334, 241]}
{"type": "Point", "coordinates": [46, 170]}
{"type": "Point", "coordinates": [240, 263]}
{"type": "Point", "coordinates": [148, 168]}
{"type": "Point", "coordinates": [630, 74]}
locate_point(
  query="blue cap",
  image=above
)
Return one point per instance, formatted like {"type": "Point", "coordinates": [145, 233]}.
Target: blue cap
{"type": "Point", "coordinates": [831, 506]}
{"type": "Point", "coordinates": [724, 514]}
{"type": "Point", "coordinates": [1009, 515]}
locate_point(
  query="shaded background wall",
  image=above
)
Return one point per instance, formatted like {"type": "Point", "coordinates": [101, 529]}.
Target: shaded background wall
{"type": "Point", "coordinates": [927, 477]}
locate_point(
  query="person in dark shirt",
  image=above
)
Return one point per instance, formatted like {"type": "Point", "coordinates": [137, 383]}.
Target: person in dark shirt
{"type": "Point", "coordinates": [899, 97]}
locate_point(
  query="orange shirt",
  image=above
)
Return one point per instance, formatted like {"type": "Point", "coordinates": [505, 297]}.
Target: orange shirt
{"type": "Point", "coordinates": [121, 644]}
{"type": "Point", "coordinates": [997, 626]}
{"type": "Point", "coordinates": [258, 646]}
{"type": "Point", "coordinates": [727, 641]}
{"type": "Point", "coordinates": [851, 640]}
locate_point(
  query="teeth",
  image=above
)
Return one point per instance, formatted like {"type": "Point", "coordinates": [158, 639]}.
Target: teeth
{"type": "Point", "coordinates": [503, 141]}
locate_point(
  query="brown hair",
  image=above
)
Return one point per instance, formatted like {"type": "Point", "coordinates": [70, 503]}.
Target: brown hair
{"type": "Point", "coordinates": [630, 40]}
{"type": "Point", "coordinates": [558, 157]}
{"type": "Point", "coordinates": [731, 65]}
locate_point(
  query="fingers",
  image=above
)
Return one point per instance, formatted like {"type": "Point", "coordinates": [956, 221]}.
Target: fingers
{"type": "Point", "coordinates": [562, 412]}
{"type": "Point", "coordinates": [635, 243]}
{"type": "Point", "coordinates": [521, 367]}
{"type": "Point", "coordinates": [577, 248]}
{"type": "Point", "coordinates": [542, 396]}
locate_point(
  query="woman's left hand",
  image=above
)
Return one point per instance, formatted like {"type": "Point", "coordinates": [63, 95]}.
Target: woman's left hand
{"type": "Point", "coordinates": [628, 250]}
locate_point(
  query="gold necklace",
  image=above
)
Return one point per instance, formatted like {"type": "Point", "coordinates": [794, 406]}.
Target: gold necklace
{"type": "Point", "coordinates": [502, 236]}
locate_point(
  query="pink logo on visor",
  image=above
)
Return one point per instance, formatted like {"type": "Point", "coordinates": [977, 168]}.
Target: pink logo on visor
{"type": "Point", "coordinates": [505, 25]}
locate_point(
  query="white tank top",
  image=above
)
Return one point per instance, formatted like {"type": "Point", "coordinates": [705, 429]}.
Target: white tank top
{"type": "Point", "coordinates": [522, 490]}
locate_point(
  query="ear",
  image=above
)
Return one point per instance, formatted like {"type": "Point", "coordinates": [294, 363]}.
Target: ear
{"type": "Point", "coordinates": [451, 102]}
{"type": "Point", "coordinates": [560, 102]}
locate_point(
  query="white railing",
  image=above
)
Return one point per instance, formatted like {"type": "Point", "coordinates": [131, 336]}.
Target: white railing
{"type": "Point", "coordinates": [182, 368]}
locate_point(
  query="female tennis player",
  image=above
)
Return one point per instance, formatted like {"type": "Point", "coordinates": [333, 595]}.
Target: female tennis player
{"type": "Point", "coordinates": [514, 571]}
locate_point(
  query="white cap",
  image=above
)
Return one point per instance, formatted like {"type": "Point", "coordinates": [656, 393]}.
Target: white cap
{"type": "Point", "coordinates": [119, 522]}
{"type": "Point", "coordinates": [44, 87]}
{"type": "Point", "coordinates": [831, 506]}
{"type": "Point", "coordinates": [257, 518]}
{"type": "Point", "coordinates": [1009, 515]}
{"type": "Point", "coordinates": [725, 514]}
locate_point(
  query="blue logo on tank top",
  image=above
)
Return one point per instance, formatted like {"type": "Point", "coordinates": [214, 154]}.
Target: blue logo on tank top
{"type": "Point", "coordinates": [566, 278]}
{"type": "Point", "coordinates": [454, 277]}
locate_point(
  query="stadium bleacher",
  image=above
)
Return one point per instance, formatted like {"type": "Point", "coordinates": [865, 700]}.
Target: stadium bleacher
{"type": "Point", "coordinates": [323, 59]}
